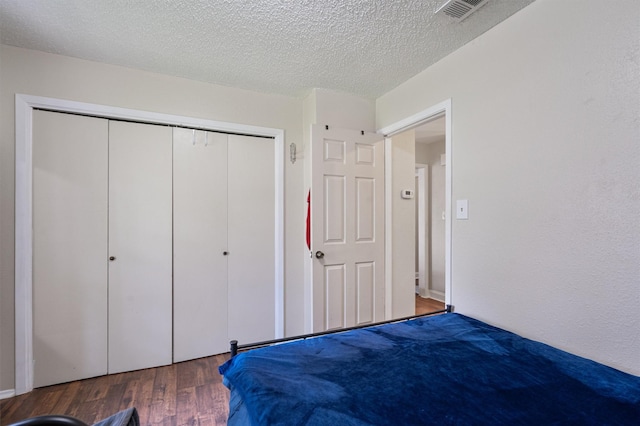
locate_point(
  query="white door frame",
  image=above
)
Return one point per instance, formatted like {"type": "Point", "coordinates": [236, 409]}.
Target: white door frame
{"type": "Point", "coordinates": [414, 120]}
{"type": "Point", "coordinates": [423, 266]}
{"type": "Point", "coordinates": [24, 106]}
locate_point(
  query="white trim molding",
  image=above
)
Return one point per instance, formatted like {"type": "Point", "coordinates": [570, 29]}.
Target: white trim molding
{"type": "Point", "coordinates": [423, 275]}
{"type": "Point", "coordinates": [23, 247]}
{"type": "Point", "coordinates": [25, 104]}
{"type": "Point", "coordinates": [442, 108]}
{"type": "Point", "coordinates": [388, 235]}
{"type": "Point", "coordinates": [437, 295]}
{"type": "Point", "coordinates": [9, 393]}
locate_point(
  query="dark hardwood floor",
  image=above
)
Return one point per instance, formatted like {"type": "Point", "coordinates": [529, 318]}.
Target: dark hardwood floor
{"type": "Point", "coordinates": [187, 393]}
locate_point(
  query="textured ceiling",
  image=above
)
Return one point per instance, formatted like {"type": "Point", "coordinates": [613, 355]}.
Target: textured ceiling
{"type": "Point", "coordinates": [365, 47]}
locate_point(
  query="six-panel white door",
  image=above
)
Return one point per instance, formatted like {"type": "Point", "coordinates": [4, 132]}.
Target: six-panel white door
{"type": "Point", "coordinates": [69, 247]}
{"type": "Point", "coordinates": [347, 241]}
{"type": "Point", "coordinates": [140, 233]}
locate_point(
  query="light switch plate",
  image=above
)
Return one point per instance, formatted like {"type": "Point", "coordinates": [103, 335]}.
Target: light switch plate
{"type": "Point", "coordinates": [462, 209]}
{"type": "Point", "coordinates": [407, 194]}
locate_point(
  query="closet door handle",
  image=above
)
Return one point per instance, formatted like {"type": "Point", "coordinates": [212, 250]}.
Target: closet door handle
{"type": "Point", "coordinates": [319, 254]}
{"type": "Point", "coordinates": [112, 258]}
{"type": "Point", "coordinates": [225, 253]}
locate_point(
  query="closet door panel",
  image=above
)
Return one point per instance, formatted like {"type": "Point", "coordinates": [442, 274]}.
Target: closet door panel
{"type": "Point", "coordinates": [199, 244]}
{"type": "Point", "coordinates": [251, 238]}
{"type": "Point", "coordinates": [140, 205]}
{"type": "Point", "coordinates": [69, 247]}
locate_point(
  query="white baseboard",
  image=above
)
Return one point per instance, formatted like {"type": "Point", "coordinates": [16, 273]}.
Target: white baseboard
{"type": "Point", "coordinates": [7, 393]}
{"type": "Point", "coordinates": [436, 295]}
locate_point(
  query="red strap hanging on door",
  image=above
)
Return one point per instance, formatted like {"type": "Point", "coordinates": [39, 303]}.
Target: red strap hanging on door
{"type": "Point", "coordinates": [309, 220]}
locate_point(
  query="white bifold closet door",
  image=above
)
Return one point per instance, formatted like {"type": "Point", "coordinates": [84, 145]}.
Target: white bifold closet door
{"type": "Point", "coordinates": [140, 246]}
{"type": "Point", "coordinates": [69, 247]}
{"type": "Point", "coordinates": [199, 244]}
{"type": "Point", "coordinates": [148, 248]}
{"type": "Point", "coordinates": [251, 260]}
{"type": "Point", "coordinates": [224, 241]}
{"type": "Point", "coordinates": [102, 190]}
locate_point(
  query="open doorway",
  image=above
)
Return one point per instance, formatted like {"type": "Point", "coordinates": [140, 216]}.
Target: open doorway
{"type": "Point", "coordinates": [428, 147]}
{"type": "Point", "coordinates": [430, 190]}
{"type": "Point", "coordinates": [401, 260]}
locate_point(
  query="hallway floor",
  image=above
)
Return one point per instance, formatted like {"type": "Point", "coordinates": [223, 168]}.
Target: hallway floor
{"type": "Point", "coordinates": [424, 306]}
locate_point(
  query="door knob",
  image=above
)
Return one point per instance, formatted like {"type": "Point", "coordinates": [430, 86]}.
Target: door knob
{"type": "Point", "coordinates": [319, 254]}
{"type": "Point", "coordinates": [112, 258]}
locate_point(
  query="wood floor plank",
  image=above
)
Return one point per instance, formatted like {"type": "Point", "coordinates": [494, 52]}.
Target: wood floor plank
{"type": "Point", "coordinates": [163, 401]}
{"type": "Point", "coordinates": [187, 411]}
{"type": "Point", "coordinates": [39, 404]}
{"type": "Point", "coordinates": [219, 360]}
{"type": "Point", "coordinates": [186, 375]}
{"type": "Point", "coordinates": [219, 396]}
{"type": "Point", "coordinates": [67, 397]}
{"type": "Point", "coordinates": [208, 372]}
{"type": "Point", "coordinates": [112, 400]}
{"type": "Point", "coordinates": [170, 421]}
{"type": "Point", "coordinates": [139, 393]}
{"type": "Point", "coordinates": [84, 408]}
{"type": "Point", "coordinates": [17, 405]}
{"type": "Point", "coordinates": [88, 411]}
{"type": "Point", "coordinates": [97, 390]}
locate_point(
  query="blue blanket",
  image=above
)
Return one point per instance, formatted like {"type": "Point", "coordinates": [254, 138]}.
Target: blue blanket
{"type": "Point", "coordinates": [447, 370]}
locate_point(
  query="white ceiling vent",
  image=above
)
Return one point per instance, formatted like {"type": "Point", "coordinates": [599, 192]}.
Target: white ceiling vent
{"type": "Point", "coordinates": [460, 9]}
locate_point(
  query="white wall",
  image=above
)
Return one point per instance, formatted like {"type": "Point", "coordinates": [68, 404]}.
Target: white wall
{"type": "Point", "coordinates": [546, 131]}
{"type": "Point", "coordinates": [344, 110]}
{"type": "Point", "coordinates": [422, 153]}
{"type": "Point", "coordinates": [42, 74]}
{"type": "Point", "coordinates": [437, 191]}
{"type": "Point", "coordinates": [403, 229]}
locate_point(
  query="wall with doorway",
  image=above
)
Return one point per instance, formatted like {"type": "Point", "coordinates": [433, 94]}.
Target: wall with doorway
{"type": "Point", "coordinates": [545, 138]}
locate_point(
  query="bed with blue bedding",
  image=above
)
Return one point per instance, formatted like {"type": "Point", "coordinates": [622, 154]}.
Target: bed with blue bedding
{"type": "Point", "coordinates": [447, 369]}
